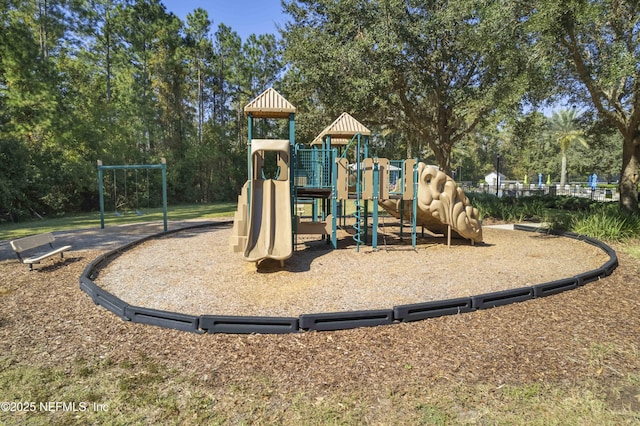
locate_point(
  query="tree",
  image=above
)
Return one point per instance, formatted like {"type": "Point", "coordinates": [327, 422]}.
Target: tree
{"type": "Point", "coordinates": [563, 126]}
{"type": "Point", "coordinates": [122, 81]}
{"type": "Point", "coordinates": [101, 32]}
{"type": "Point", "coordinates": [145, 26]}
{"type": "Point", "coordinates": [596, 46]}
{"type": "Point", "coordinates": [227, 54]}
{"type": "Point", "coordinates": [29, 98]}
{"type": "Point", "coordinates": [200, 49]}
{"type": "Point", "coordinates": [603, 154]}
{"type": "Point", "coordinates": [14, 179]}
{"type": "Point", "coordinates": [431, 70]}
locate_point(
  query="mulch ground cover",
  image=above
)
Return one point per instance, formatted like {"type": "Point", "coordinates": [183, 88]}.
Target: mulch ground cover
{"type": "Point", "coordinates": [47, 320]}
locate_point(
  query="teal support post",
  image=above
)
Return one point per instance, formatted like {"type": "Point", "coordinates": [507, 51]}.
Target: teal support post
{"type": "Point", "coordinates": [376, 192]}
{"type": "Point", "coordinates": [327, 162]}
{"type": "Point", "coordinates": [292, 129]}
{"type": "Point", "coordinates": [334, 198]}
{"type": "Point", "coordinates": [403, 177]}
{"type": "Point", "coordinates": [402, 214]}
{"type": "Point", "coordinates": [415, 204]}
{"type": "Point", "coordinates": [401, 217]}
{"type": "Point", "coordinates": [101, 193]}
{"type": "Point", "coordinates": [313, 168]}
{"type": "Point", "coordinates": [164, 193]}
{"type": "Point", "coordinates": [366, 203]}
{"type": "Point", "coordinates": [316, 171]}
{"type": "Point", "coordinates": [322, 161]}
{"type": "Point", "coordinates": [249, 138]}
{"type": "Point", "coordinates": [292, 191]}
{"type": "Point", "coordinates": [249, 162]}
{"type": "Point", "coordinates": [365, 228]}
{"type": "Point", "coordinates": [358, 214]}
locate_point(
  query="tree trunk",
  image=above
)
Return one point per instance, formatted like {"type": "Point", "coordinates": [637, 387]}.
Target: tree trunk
{"type": "Point", "coordinates": [441, 148]}
{"type": "Point", "coordinates": [629, 175]}
{"type": "Point", "coordinates": [442, 152]}
{"type": "Point", "coordinates": [563, 170]}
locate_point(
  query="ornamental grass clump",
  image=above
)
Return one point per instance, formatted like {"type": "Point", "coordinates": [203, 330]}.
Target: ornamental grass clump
{"type": "Point", "coordinates": [606, 223]}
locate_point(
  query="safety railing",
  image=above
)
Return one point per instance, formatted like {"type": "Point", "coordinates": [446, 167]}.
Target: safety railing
{"type": "Point", "coordinates": [313, 168]}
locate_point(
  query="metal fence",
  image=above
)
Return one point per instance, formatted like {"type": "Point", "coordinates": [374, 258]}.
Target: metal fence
{"type": "Point", "coordinates": [516, 189]}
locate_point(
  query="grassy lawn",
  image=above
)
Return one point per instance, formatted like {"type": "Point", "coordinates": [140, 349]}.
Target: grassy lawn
{"type": "Point", "coordinates": [153, 393]}
{"type": "Point", "coordinates": [9, 231]}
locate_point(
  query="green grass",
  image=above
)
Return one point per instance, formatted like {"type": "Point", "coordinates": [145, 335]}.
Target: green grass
{"type": "Point", "coordinates": [145, 391]}
{"type": "Point", "coordinates": [633, 251]}
{"type": "Point", "coordinates": [9, 231]}
{"type": "Point", "coordinates": [104, 392]}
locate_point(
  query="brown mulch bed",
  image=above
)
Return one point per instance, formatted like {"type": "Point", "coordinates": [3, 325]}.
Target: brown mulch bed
{"type": "Point", "coordinates": [47, 320]}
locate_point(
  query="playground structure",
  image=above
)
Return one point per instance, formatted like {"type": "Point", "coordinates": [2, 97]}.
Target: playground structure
{"type": "Point", "coordinates": [283, 175]}
{"type": "Point", "coordinates": [267, 219]}
{"type": "Point", "coordinates": [101, 169]}
{"type": "Point", "coordinates": [442, 206]}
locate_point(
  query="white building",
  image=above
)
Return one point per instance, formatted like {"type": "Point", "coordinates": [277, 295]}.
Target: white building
{"type": "Point", "coordinates": [491, 178]}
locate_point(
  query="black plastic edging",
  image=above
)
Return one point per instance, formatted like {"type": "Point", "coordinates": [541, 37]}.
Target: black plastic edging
{"type": "Point", "coordinates": [420, 311]}
{"type": "Point", "coordinates": [335, 320]}
{"type": "Point", "coordinates": [90, 268]}
{"type": "Point", "coordinates": [119, 307]}
{"type": "Point", "coordinates": [590, 276]}
{"type": "Point", "coordinates": [610, 266]}
{"type": "Point", "coordinates": [499, 298]}
{"type": "Point", "coordinates": [592, 241]}
{"type": "Point", "coordinates": [163, 318]}
{"type": "Point", "coordinates": [88, 286]}
{"type": "Point", "coordinates": [248, 324]}
{"type": "Point", "coordinates": [346, 320]}
{"type": "Point", "coordinates": [111, 303]}
{"type": "Point", "coordinates": [554, 287]}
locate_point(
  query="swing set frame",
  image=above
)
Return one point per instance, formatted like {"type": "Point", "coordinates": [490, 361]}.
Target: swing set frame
{"type": "Point", "coordinates": [162, 166]}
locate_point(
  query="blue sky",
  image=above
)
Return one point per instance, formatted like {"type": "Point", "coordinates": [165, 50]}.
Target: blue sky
{"type": "Point", "coordinates": [243, 16]}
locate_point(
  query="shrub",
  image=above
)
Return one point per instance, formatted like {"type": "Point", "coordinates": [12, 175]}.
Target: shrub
{"type": "Point", "coordinates": [606, 223]}
{"type": "Point", "coordinates": [580, 215]}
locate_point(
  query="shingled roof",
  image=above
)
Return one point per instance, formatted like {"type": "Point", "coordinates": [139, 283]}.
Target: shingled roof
{"type": "Point", "coordinates": [342, 130]}
{"type": "Point", "coordinates": [269, 104]}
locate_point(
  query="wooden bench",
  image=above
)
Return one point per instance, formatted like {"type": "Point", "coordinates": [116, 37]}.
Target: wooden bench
{"type": "Point", "coordinates": [34, 242]}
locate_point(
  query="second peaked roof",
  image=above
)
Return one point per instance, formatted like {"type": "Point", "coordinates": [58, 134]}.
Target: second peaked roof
{"type": "Point", "coordinates": [269, 104]}
{"type": "Point", "coordinates": [342, 130]}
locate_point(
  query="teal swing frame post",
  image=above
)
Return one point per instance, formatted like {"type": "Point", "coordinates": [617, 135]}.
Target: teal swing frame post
{"type": "Point", "coordinates": [162, 166]}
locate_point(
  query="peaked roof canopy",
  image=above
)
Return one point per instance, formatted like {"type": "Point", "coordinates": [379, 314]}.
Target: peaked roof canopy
{"type": "Point", "coordinates": [269, 104]}
{"type": "Point", "coordinates": [342, 130]}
